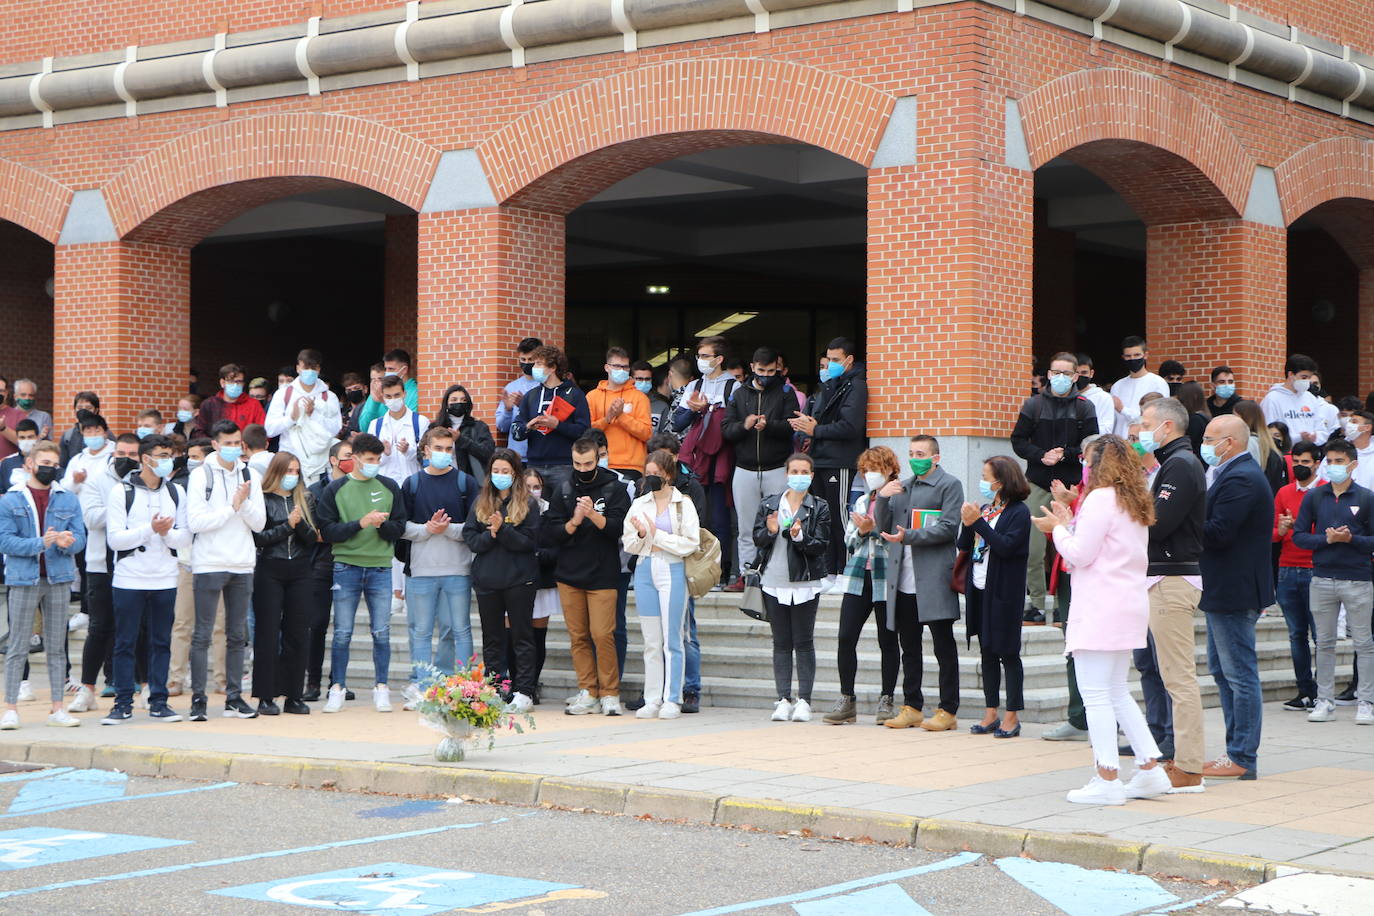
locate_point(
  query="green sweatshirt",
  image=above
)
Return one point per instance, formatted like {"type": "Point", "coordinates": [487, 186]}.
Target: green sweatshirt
{"type": "Point", "coordinates": [374, 409]}
{"type": "Point", "coordinates": [367, 547]}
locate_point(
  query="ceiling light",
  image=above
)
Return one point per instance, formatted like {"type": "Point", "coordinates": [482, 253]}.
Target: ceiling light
{"type": "Point", "coordinates": [726, 323]}
{"type": "Point", "coordinates": [656, 290]}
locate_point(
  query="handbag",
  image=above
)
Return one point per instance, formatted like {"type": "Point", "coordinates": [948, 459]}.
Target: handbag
{"type": "Point", "coordinates": [702, 568]}
{"type": "Point", "coordinates": [751, 603]}
{"type": "Point", "coordinates": [958, 578]}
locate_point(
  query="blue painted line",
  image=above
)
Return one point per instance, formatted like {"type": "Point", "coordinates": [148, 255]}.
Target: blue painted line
{"type": "Point", "coordinates": [233, 860]}
{"type": "Point", "coordinates": [76, 787]}
{"type": "Point", "coordinates": [1084, 892]}
{"type": "Point", "coordinates": [953, 861]}
{"type": "Point", "coordinates": [122, 798]}
{"type": "Point", "coordinates": [33, 774]}
{"type": "Point", "coordinates": [883, 900]}
{"type": "Point", "coordinates": [405, 809]}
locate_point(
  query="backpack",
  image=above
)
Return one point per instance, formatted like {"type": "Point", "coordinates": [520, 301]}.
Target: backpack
{"type": "Point", "coordinates": [704, 440]}
{"type": "Point", "coordinates": [703, 567]}
{"type": "Point", "coordinates": [414, 425]}
{"type": "Point", "coordinates": [409, 490]}
{"type": "Point", "coordinates": [112, 556]}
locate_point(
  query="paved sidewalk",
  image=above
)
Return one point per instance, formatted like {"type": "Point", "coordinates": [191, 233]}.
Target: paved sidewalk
{"type": "Point", "coordinates": [1313, 803]}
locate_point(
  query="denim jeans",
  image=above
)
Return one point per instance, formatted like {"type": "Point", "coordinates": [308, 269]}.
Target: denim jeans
{"type": "Point", "coordinates": [692, 679]}
{"type": "Point", "coordinates": [447, 602]}
{"type": "Point", "coordinates": [1159, 709]}
{"type": "Point", "coordinates": [351, 583]}
{"type": "Point", "coordinates": [132, 609]}
{"type": "Point", "coordinates": [1231, 659]}
{"type": "Point", "coordinates": [1294, 594]}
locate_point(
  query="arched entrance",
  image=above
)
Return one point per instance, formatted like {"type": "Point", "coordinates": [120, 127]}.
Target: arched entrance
{"type": "Point", "coordinates": [26, 312]}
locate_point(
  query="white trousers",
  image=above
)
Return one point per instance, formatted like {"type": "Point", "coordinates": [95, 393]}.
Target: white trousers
{"type": "Point", "coordinates": [1108, 703]}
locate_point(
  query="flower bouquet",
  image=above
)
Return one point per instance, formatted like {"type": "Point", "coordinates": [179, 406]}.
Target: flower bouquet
{"type": "Point", "coordinates": [464, 704]}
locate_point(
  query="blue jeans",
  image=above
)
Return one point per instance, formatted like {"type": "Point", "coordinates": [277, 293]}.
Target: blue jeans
{"type": "Point", "coordinates": [133, 609]}
{"type": "Point", "coordinates": [442, 600]}
{"type": "Point", "coordinates": [1159, 709]}
{"type": "Point", "coordinates": [351, 583]}
{"type": "Point", "coordinates": [661, 597]}
{"type": "Point", "coordinates": [622, 636]}
{"type": "Point", "coordinates": [692, 679]}
{"type": "Point", "coordinates": [1294, 594]}
{"type": "Point", "coordinates": [1232, 661]}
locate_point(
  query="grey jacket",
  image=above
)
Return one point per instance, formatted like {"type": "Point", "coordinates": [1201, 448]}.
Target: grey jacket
{"type": "Point", "coordinates": [932, 548]}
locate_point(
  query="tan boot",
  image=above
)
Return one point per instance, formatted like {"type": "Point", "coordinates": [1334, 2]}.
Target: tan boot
{"type": "Point", "coordinates": [940, 722]}
{"type": "Point", "coordinates": [906, 718]}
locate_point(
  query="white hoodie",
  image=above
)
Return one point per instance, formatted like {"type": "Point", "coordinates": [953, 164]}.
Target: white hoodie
{"type": "Point", "coordinates": [224, 535]}
{"type": "Point", "coordinates": [309, 435]}
{"type": "Point", "coordinates": [1303, 413]}
{"type": "Point", "coordinates": [151, 565]}
{"type": "Point", "coordinates": [97, 486]}
{"type": "Point", "coordinates": [91, 464]}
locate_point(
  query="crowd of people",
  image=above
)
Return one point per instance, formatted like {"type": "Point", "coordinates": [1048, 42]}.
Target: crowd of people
{"type": "Point", "coordinates": [252, 523]}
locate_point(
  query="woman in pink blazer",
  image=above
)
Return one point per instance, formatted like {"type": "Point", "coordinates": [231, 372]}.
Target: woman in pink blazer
{"type": "Point", "coordinates": [1105, 549]}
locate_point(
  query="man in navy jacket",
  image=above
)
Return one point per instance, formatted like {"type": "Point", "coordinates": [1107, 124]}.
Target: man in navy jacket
{"type": "Point", "coordinates": [1236, 583]}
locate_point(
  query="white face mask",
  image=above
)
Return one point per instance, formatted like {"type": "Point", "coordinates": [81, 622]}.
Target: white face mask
{"type": "Point", "coordinates": [395, 405]}
{"type": "Point", "coordinates": [1352, 430]}
{"type": "Point", "coordinates": [1300, 385]}
{"type": "Point", "coordinates": [26, 445]}
{"type": "Point", "coordinates": [874, 480]}
{"type": "Point", "coordinates": [705, 366]}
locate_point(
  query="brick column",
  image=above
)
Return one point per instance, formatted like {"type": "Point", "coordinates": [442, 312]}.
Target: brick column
{"type": "Point", "coordinates": [1365, 331]}
{"type": "Point", "coordinates": [122, 326]}
{"type": "Point", "coordinates": [398, 285]}
{"type": "Point", "coordinates": [486, 278]}
{"type": "Point", "coordinates": [1217, 293]}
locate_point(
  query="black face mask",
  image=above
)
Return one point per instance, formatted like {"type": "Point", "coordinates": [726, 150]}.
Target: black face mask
{"type": "Point", "coordinates": [1173, 388]}
{"type": "Point", "coordinates": [45, 474]}
{"type": "Point", "coordinates": [586, 476]}
{"type": "Point", "coordinates": [1134, 365]}
{"type": "Point", "coordinates": [651, 483]}
{"type": "Point", "coordinates": [459, 410]}
{"type": "Point", "coordinates": [125, 466]}
{"type": "Point", "coordinates": [356, 396]}
{"type": "Point", "coordinates": [1083, 382]}
{"type": "Point", "coordinates": [768, 382]}
{"type": "Point", "coordinates": [1302, 473]}
{"type": "Point", "coordinates": [527, 368]}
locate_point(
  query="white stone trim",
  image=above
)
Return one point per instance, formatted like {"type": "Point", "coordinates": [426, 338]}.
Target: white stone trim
{"type": "Point", "coordinates": [130, 103]}
{"type": "Point", "coordinates": [1182, 33]}
{"type": "Point", "coordinates": [36, 94]}
{"type": "Point", "coordinates": [399, 41]}
{"type": "Point", "coordinates": [517, 50]}
{"type": "Point", "coordinates": [1108, 13]}
{"type": "Point", "coordinates": [207, 70]}
{"type": "Point", "coordinates": [622, 22]}
{"type": "Point", "coordinates": [760, 15]}
{"type": "Point", "coordinates": [312, 30]}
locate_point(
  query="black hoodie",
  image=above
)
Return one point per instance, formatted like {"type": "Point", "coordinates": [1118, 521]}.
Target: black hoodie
{"type": "Point", "coordinates": [765, 447]}
{"type": "Point", "coordinates": [589, 558]}
{"type": "Point", "coordinates": [840, 407]}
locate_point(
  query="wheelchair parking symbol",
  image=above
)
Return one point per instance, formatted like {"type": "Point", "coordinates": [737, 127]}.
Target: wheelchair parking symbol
{"type": "Point", "coordinates": [30, 847]}
{"type": "Point", "coordinates": [393, 889]}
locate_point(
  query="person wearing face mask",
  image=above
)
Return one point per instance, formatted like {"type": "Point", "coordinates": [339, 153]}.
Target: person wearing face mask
{"type": "Point", "coordinates": [920, 521]}
{"type": "Point", "coordinates": [699, 421]}
{"type": "Point", "coordinates": [184, 616]}
{"type": "Point", "coordinates": [514, 392]}
{"type": "Point", "coordinates": [231, 402]}
{"type": "Point", "coordinates": [362, 515]}
{"type": "Point", "coordinates": [1293, 402]}
{"type": "Point", "coordinates": [1359, 432]}
{"type": "Point", "coordinates": [1336, 523]}
{"type": "Point", "coordinates": [41, 534]}
{"type": "Point", "coordinates": [10, 418]}
{"type": "Point", "coordinates": [1138, 381]}
{"type": "Point", "coordinates": [399, 429]}
{"type": "Point", "coordinates": [85, 402]}
{"type": "Point", "coordinates": [145, 527]}
{"type": "Point", "coordinates": [660, 403]}
{"type": "Point", "coordinates": [1101, 400]}
{"type": "Point", "coordinates": [1295, 573]}
{"type": "Point", "coordinates": [148, 422]}
{"type": "Point", "coordinates": [756, 424]}
{"type": "Point", "coordinates": [1224, 396]}
{"type": "Point", "coordinates": [621, 411]}
{"type": "Point", "coordinates": [501, 530]}
{"type": "Point", "coordinates": [26, 400]}
{"type": "Point", "coordinates": [1237, 581]}
{"type": "Point", "coordinates": [322, 576]}
{"type": "Point", "coordinates": [546, 602]}
{"type": "Point", "coordinates": [1048, 435]}
{"type": "Point", "coordinates": [13, 469]}
{"type": "Point", "coordinates": [351, 403]}
{"type": "Point", "coordinates": [184, 424]}
{"type": "Point", "coordinates": [472, 445]}
{"type": "Point", "coordinates": [369, 407]}
{"type": "Point", "coordinates": [1173, 372]}
{"type": "Point", "coordinates": [306, 416]}
{"type": "Point", "coordinates": [866, 593]}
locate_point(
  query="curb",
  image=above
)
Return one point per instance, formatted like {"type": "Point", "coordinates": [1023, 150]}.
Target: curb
{"type": "Point", "coordinates": [1082, 849]}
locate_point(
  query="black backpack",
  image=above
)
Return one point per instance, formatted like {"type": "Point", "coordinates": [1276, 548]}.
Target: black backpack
{"type": "Point", "coordinates": [112, 556]}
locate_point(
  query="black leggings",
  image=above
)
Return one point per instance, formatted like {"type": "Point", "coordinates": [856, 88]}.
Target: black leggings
{"type": "Point", "coordinates": [321, 601]}
{"type": "Point", "coordinates": [100, 631]}
{"type": "Point", "coordinates": [282, 591]}
{"type": "Point", "coordinates": [794, 629]}
{"type": "Point", "coordinates": [854, 613]}
{"type": "Point", "coordinates": [992, 681]}
{"type": "Point", "coordinates": [517, 606]}
{"type": "Point", "coordinates": [946, 654]}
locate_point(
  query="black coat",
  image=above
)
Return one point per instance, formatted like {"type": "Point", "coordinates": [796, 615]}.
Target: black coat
{"type": "Point", "coordinates": [507, 560]}
{"type": "Point", "coordinates": [993, 613]}
{"type": "Point", "coordinates": [806, 559]}
{"type": "Point", "coordinates": [766, 447]}
{"type": "Point", "coordinates": [1236, 571]}
{"type": "Point", "coordinates": [589, 558]}
{"type": "Point", "coordinates": [1048, 422]}
{"type": "Point", "coordinates": [840, 409]}
{"type": "Point", "coordinates": [278, 540]}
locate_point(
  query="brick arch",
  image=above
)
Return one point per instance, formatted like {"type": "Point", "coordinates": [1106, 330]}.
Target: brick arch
{"type": "Point", "coordinates": [1325, 171]}
{"type": "Point", "coordinates": [583, 141]}
{"type": "Point", "coordinates": [30, 199]}
{"type": "Point", "coordinates": [189, 186]}
{"type": "Point", "coordinates": [1171, 157]}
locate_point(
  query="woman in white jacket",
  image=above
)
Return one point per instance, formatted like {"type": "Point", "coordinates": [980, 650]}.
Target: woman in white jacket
{"type": "Point", "coordinates": [661, 529]}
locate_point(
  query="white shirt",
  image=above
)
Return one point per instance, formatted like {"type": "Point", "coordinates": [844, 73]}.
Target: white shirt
{"type": "Point", "coordinates": [1129, 391]}
{"type": "Point", "coordinates": [1102, 403]}
{"type": "Point", "coordinates": [392, 430]}
{"type": "Point", "coordinates": [309, 435]}
{"type": "Point", "coordinates": [85, 461]}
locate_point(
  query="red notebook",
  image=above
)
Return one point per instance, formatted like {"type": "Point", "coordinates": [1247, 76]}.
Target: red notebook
{"type": "Point", "coordinates": [560, 410]}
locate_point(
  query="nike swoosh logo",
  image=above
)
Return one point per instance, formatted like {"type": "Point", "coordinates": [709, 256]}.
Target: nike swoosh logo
{"type": "Point", "coordinates": [377, 498]}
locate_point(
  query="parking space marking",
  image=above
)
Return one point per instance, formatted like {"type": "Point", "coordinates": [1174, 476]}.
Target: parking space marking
{"type": "Point", "coordinates": [883, 900]}
{"type": "Point", "coordinates": [76, 786]}
{"type": "Point", "coordinates": [33, 774]}
{"type": "Point", "coordinates": [1083, 892]}
{"type": "Point", "coordinates": [122, 798]}
{"type": "Point", "coordinates": [30, 847]}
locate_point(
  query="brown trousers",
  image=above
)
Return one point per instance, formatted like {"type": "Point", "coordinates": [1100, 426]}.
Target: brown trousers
{"type": "Point", "coordinates": [590, 616]}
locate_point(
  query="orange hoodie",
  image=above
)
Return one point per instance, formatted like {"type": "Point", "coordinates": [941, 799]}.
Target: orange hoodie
{"type": "Point", "coordinates": [627, 433]}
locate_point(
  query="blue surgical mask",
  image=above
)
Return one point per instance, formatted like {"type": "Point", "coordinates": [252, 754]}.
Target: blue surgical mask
{"type": "Point", "coordinates": [143, 432]}
{"type": "Point", "coordinates": [193, 463]}
{"type": "Point", "coordinates": [1060, 384]}
{"type": "Point", "coordinates": [1225, 392]}
{"type": "Point", "coordinates": [986, 491]}
{"type": "Point", "coordinates": [539, 374]}
{"type": "Point", "coordinates": [440, 460]}
{"type": "Point", "coordinates": [309, 377]}
{"type": "Point", "coordinates": [1337, 473]}
{"type": "Point", "coordinates": [604, 463]}
{"type": "Point", "coordinates": [504, 482]}
{"type": "Point", "coordinates": [834, 369]}
{"type": "Point", "coordinates": [289, 481]}
{"type": "Point", "coordinates": [231, 453]}
{"type": "Point", "coordinates": [185, 416]}
{"type": "Point", "coordinates": [233, 390]}
{"type": "Point", "coordinates": [644, 386]}
{"type": "Point", "coordinates": [799, 483]}
{"type": "Point", "coordinates": [94, 443]}
{"type": "Point", "coordinates": [1209, 454]}
{"type": "Point", "coordinates": [369, 470]}
{"type": "Point", "coordinates": [163, 467]}
{"type": "Point", "coordinates": [619, 376]}
{"type": "Point", "coordinates": [1147, 440]}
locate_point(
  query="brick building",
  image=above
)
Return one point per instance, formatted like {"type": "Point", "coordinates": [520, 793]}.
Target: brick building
{"type": "Point", "coordinates": [962, 185]}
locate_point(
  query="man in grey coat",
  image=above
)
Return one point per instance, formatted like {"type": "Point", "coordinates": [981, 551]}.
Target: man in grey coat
{"type": "Point", "coordinates": [919, 520]}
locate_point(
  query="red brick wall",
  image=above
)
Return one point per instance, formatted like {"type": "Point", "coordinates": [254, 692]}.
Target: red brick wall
{"type": "Point", "coordinates": [398, 288]}
{"type": "Point", "coordinates": [26, 263]}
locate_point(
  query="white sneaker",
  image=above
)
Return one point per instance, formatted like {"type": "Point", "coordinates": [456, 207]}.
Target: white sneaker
{"type": "Point", "coordinates": [84, 701]}
{"type": "Point", "coordinates": [25, 691]}
{"type": "Point", "coordinates": [782, 711]}
{"type": "Point", "coordinates": [61, 719]}
{"type": "Point", "coordinates": [411, 695]}
{"type": "Point", "coordinates": [1365, 714]}
{"type": "Point", "coordinates": [520, 704]}
{"type": "Point", "coordinates": [143, 697]}
{"type": "Point", "coordinates": [1149, 783]}
{"type": "Point", "coordinates": [9, 721]}
{"type": "Point", "coordinates": [1100, 791]}
{"type": "Point", "coordinates": [801, 712]}
{"type": "Point", "coordinates": [572, 698]}
{"type": "Point", "coordinates": [381, 698]}
{"type": "Point", "coordinates": [73, 685]}
{"type": "Point", "coordinates": [334, 702]}
{"type": "Point", "coordinates": [670, 711]}
{"type": "Point", "coordinates": [648, 711]}
{"type": "Point", "coordinates": [585, 705]}
{"type": "Point", "coordinates": [1324, 711]}
{"type": "Point", "coordinates": [610, 706]}
{"type": "Point", "coordinates": [77, 622]}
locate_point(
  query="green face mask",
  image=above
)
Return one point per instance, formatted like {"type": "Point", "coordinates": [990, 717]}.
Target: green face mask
{"type": "Point", "coordinates": [24, 403]}
{"type": "Point", "coordinates": [921, 466]}
{"type": "Point", "coordinates": [1139, 447]}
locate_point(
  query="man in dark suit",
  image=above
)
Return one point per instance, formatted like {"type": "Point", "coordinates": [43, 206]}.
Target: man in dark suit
{"type": "Point", "coordinates": [1236, 583]}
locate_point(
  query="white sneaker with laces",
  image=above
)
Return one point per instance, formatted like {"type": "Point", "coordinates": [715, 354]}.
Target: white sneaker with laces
{"type": "Point", "coordinates": [84, 701]}
{"type": "Point", "coordinates": [610, 706]}
{"type": "Point", "coordinates": [78, 621]}
{"type": "Point", "coordinates": [1149, 783]}
{"type": "Point", "coordinates": [782, 711]}
{"type": "Point", "coordinates": [520, 704]}
{"type": "Point", "coordinates": [585, 705]}
{"type": "Point", "coordinates": [411, 695]}
{"type": "Point", "coordinates": [648, 711]}
{"type": "Point", "coordinates": [670, 711]}
{"type": "Point", "coordinates": [1099, 791]}
{"type": "Point", "coordinates": [381, 698]}
{"type": "Point", "coordinates": [1365, 714]}
{"type": "Point", "coordinates": [25, 691]}
{"type": "Point", "coordinates": [334, 702]}
{"type": "Point", "coordinates": [571, 699]}
{"type": "Point", "coordinates": [1324, 711]}
{"type": "Point", "coordinates": [61, 719]}
{"type": "Point", "coordinates": [9, 721]}
{"type": "Point", "coordinates": [801, 712]}
{"type": "Point", "coordinates": [73, 685]}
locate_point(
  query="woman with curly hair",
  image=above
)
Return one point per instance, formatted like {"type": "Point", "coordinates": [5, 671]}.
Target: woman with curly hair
{"type": "Point", "coordinates": [1105, 546]}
